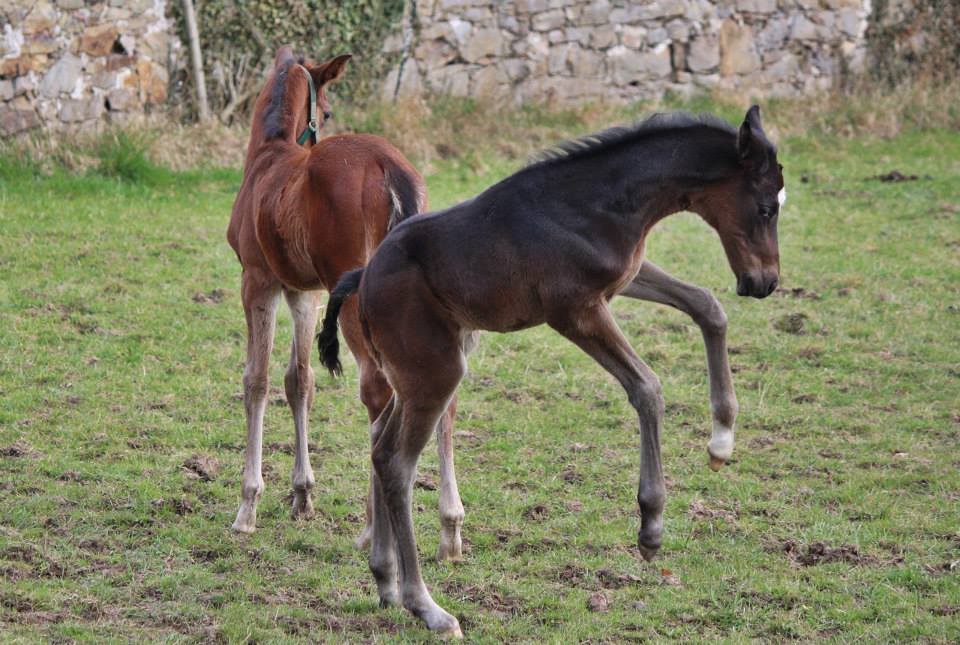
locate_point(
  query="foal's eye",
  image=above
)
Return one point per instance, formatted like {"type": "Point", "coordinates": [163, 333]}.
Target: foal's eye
{"type": "Point", "coordinates": [767, 212]}
{"type": "Point", "coordinates": [327, 116]}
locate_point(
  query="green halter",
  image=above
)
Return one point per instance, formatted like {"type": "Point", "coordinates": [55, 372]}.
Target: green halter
{"type": "Point", "coordinates": [313, 127]}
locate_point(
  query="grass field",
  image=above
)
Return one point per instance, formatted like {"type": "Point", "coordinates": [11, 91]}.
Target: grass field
{"type": "Point", "coordinates": [121, 350]}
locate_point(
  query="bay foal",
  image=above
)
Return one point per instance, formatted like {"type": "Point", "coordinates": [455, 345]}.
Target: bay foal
{"type": "Point", "coordinates": [551, 244]}
{"type": "Point", "coordinates": [308, 210]}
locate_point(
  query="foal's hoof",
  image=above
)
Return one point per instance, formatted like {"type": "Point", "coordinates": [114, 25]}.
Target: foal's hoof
{"type": "Point", "coordinates": [443, 625]}
{"type": "Point", "coordinates": [648, 546]}
{"type": "Point", "coordinates": [648, 553]}
{"type": "Point", "coordinates": [246, 521]}
{"type": "Point", "coordinates": [716, 463]}
{"type": "Point", "coordinates": [302, 506]}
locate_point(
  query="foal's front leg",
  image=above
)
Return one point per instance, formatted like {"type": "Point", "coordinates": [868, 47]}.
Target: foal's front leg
{"type": "Point", "coordinates": [260, 294]}
{"type": "Point", "coordinates": [594, 331]}
{"type": "Point", "coordinates": [655, 285]}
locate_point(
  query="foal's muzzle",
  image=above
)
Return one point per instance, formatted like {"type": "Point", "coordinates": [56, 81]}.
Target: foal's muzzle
{"type": "Point", "coordinates": [761, 287]}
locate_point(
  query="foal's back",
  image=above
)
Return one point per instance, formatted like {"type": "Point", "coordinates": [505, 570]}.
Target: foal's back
{"type": "Point", "coordinates": [310, 215]}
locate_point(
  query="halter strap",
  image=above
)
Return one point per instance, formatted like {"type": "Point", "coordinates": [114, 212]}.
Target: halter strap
{"type": "Point", "coordinates": [313, 127]}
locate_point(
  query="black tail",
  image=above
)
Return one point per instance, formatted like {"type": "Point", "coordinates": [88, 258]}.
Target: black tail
{"type": "Point", "coordinates": [327, 341]}
{"type": "Point", "coordinates": [404, 193]}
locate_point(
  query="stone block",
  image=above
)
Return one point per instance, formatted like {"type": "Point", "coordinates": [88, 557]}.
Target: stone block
{"type": "Point", "coordinates": [76, 110]}
{"type": "Point", "coordinates": [704, 54]}
{"type": "Point", "coordinates": [6, 90]}
{"type": "Point", "coordinates": [70, 5]}
{"type": "Point", "coordinates": [602, 36]}
{"type": "Point", "coordinates": [738, 54]}
{"type": "Point", "coordinates": [434, 53]}
{"type": "Point", "coordinates": [153, 80]}
{"type": "Point", "coordinates": [41, 19]}
{"type": "Point", "coordinates": [122, 99]}
{"type": "Point", "coordinates": [850, 23]}
{"type": "Point", "coordinates": [490, 83]}
{"type": "Point", "coordinates": [10, 67]}
{"type": "Point", "coordinates": [596, 13]}
{"type": "Point", "coordinates": [549, 20]}
{"type": "Point", "coordinates": [757, 6]}
{"type": "Point", "coordinates": [483, 43]}
{"type": "Point", "coordinates": [23, 85]}
{"type": "Point", "coordinates": [803, 29]}
{"type": "Point", "coordinates": [657, 36]}
{"type": "Point", "coordinates": [14, 120]}
{"type": "Point", "coordinates": [633, 37]}
{"type": "Point", "coordinates": [97, 40]}
{"type": "Point", "coordinates": [585, 63]}
{"type": "Point", "coordinates": [62, 77]}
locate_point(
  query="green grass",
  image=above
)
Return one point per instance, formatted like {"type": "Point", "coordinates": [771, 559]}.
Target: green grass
{"type": "Point", "coordinates": [120, 360]}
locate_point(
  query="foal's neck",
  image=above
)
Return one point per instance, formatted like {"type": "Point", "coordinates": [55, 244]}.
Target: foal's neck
{"type": "Point", "coordinates": [669, 171]}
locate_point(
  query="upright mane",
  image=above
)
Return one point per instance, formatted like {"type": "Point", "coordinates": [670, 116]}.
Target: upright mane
{"type": "Point", "coordinates": [274, 114]}
{"type": "Point", "coordinates": [614, 137]}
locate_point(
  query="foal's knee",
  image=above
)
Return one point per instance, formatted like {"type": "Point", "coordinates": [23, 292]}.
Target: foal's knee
{"type": "Point", "coordinates": [646, 395]}
{"type": "Point", "coordinates": [255, 384]}
{"type": "Point", "coordinates": [712, 320]}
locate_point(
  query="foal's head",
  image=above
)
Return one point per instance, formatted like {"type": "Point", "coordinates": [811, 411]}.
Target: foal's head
{"type": "Point", "coordinates": [282, 109]}
{"type": "Point", "coordinates": [745, 209]}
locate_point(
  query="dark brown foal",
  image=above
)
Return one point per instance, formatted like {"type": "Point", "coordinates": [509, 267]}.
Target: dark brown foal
{"type": "Point", "coordinates": [308, 211]}
{"type": "Point", "coordinates": [553, 244]}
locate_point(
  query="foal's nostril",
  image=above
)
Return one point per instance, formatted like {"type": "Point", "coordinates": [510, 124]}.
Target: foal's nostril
{"type": "Point", "coordinates": [773, 286]}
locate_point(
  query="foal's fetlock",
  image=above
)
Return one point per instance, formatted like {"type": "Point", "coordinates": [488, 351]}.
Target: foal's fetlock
{"type": "Point", "coordinates": [720, 447]}
{"type": "Point", "coordinates": [246, 521]}
{"type": "Point", "coordinates": [451, 544]}
{"type": "Point", "coordinates": [302, 506]}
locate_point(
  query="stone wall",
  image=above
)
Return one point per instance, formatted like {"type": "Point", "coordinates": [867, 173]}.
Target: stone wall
{"type": "Point", "coordinates": [71, 63]}
{"type": "Point", "coordinates": [572, 51]}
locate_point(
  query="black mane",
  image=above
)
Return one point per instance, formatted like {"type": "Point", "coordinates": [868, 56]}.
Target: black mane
{"type": "Point", "coordinates": [617, 136]}
{"type": "Point", "coordinates": [273, 114]}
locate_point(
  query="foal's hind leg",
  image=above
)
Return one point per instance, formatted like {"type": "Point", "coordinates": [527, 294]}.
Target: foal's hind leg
{"type": "Point", "coordinates": [594, 330]}
{"type": "Point", "coordinates": [299, 381]}
{"type": "Point", "coordinates": [375, 392]}
{"type": "Point", "coordinates": [260, 293]}
{"type": "Point", "coordinates": [451, 508]}
{"type": "Point", "coordinates": [653, 284]}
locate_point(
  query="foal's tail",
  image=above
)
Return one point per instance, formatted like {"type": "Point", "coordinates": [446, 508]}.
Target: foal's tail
{"type": "Point", "coordinates": [327, 342]}
{"type": "Point", "coordinates": [406, 194]}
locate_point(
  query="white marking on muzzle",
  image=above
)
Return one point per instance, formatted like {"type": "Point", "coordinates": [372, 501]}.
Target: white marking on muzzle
{"type": "Point", "coordinates": [782, 196]}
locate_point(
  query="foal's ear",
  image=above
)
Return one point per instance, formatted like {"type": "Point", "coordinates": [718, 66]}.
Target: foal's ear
{"type": "Point", "coordinates": [751, 131]}
{"type": "Point", "coordinates": [284, 53]}
{"type": "Point", "coordinates": [332, 69]}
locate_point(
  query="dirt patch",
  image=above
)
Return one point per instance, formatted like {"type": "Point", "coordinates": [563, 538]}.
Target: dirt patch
{"type": "Point", "coordinates": [946, 610]}
{"type": "Point", "coordinates": [819, 553]}
{"type": "Point", "coordinates": [425, 482]}
{"type": "Point", "coordinates": [701, 511]}
{"type": "Point", "coordinates": [598, 602]}
{"type": "Point", "coordinates": [571, 575]}
{"type": "Point", "coordinates": [895, 176]}
{"type": "Point", "coordinates": [19, 448]}
{"type": "Point", "coordinates": [214, 297]}
{"type": "Point", "coordinates": [571, 476]}
{"type": "Point", "coordinates": [203, 466]}
{"type": "Point", "coordinates": [536, 513]}
{"type": "Point", "coordinates": [799, 293]}
{"type": "Point", "coordinates": [610, 579]}
{"type": "Point", "coordinates": [792, 323]}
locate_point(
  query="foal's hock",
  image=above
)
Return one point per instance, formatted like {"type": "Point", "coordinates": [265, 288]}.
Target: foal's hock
{"type": "Point", "coordinates": [553, 244]}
